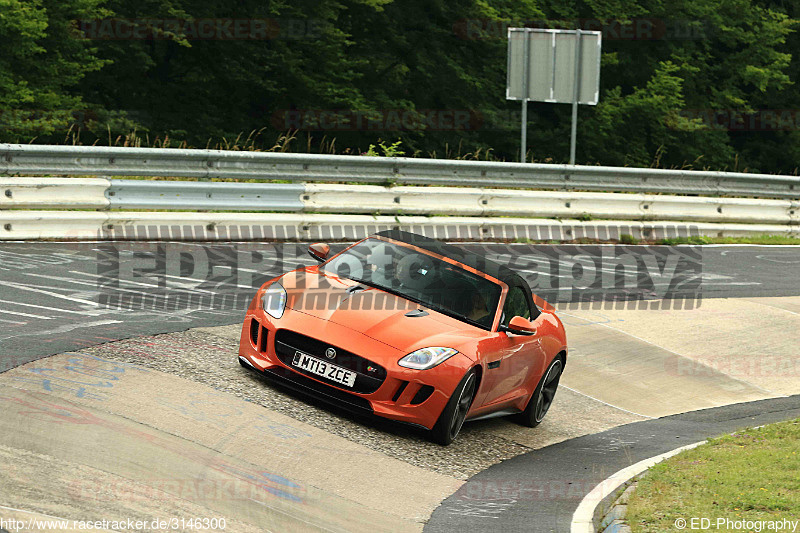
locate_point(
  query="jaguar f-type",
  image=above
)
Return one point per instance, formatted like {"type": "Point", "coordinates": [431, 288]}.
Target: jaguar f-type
{"type": "Point", "coordinates": [410, 329]}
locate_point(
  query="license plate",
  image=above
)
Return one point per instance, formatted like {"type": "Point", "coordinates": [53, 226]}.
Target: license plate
{"type": "Point", "coordinates": [324, 369]}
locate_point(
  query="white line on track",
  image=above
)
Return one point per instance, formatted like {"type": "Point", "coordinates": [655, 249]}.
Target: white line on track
{"type": "Point", "coordinates": [582, 519]}
{"type": "Point", "coordinates": [291, 515]}
{"type": "Point", "coordinates": [184, 286]}
{"type": "Point", "coordinates": [28, 315]}
{"type": "Point", "coordinates": [767, 246]}
{"type": "Point", "coordinates": [66, 328]}
{"type": "Point", "coordinates": [153, 285]}
{"type": "Point", "coordinates": [188, 285]}
{"type": "Point", "coordinates": [772, 307]}
{"type": "Point", "coordinates": [62, 278]}
{"type": "Point", "coordinates": [33, 513]}
{"type": "Point", "coordinates": [91, 284]}
{"type": "Point", "coordinates": [51, 308]}
{"type": "Point", "coordinates": [608, 404]}
{"type": "Point", "coordinates": [724, 283]}
{"type": "Point", "coordinates": [49, 293]}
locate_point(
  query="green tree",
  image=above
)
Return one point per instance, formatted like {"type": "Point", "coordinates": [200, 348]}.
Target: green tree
{"type": "Point", "coordinates": [200, 88]}
{"type": "Point", "coordinates": [662, 94]}
{"type": "Point", "coordinates": [725, 57]}
{"type": "Point", "coordinates": [40, 65]}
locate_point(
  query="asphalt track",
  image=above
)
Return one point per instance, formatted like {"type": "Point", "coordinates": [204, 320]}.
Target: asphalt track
{"type": "Point", "coordinates": [50, 292]}
{"type": "Point", "coordinates": [635, 381]}
{"type": "Point", "coordinates": [538, 492]}
{"type": "Point", "coordinates": [50, 297]}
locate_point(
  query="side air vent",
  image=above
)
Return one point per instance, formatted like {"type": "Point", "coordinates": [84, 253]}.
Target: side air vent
{"type": "Point", "coordinates": [264, 337]}
{"type": "Point", "coordinates": [254, 331]}
{"type": "Point", "coordinates": [400, 389]}
{"type": "Point", "coordinates": [422, 394]}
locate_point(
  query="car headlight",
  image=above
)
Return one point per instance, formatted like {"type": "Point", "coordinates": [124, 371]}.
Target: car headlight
{"type": "Point", "coordinates": [274, 300]}
{"type": "Point", "coordinates": [427, 357]}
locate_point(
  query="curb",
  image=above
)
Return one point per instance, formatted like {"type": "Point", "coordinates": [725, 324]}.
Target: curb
{"type": "Point", "coordinates": [583, 518]}
{"type": "Point", "coordinates": [613, 518]}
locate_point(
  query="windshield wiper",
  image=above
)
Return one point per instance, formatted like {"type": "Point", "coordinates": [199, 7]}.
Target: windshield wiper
{"type": "Point", "coordinates": [387, 289]}
{"type": "Point", "coordinates": [354, 288]}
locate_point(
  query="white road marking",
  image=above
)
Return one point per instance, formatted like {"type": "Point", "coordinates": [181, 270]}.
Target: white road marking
{"type": "Point", "coordinates": [772, 307]}
{"type": "Point", "coordinates": [765, 258]}
{"type": "Point", "coordinates": [185, 286]}
{"type": "Point", "coordinates": [28, 315]}
{"type": "Point", "coordinates": [42, 307]}
{"type": "Point", "coordinates": [705, 283]}
{"type": "Point", "coordinates": [49, 293]}
{"type": "Point", "coordinates": [153, 285]}
{"type": "Point", "coordinates": [60, 278]}
{"type": "Point", "coordinates": [608, 404]}
{"type": "Point", "coordinates": [66, 328]}
{"type": "Point", "coordinates": [33, 513]}
{"type": "Point", "coordinates": [583, 517]}
{"type": "Point", "coordinates": [711, 275]}
{"type": "Point", "coordinates": [83, 282]}
{"type": "Point", "coordinates": [291, 515]}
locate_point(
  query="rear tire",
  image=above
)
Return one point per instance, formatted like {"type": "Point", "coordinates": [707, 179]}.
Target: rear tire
{"type": "Point", "coordinates": [542, 398]}
{"type": "Point", "coordinates": [454, 413]}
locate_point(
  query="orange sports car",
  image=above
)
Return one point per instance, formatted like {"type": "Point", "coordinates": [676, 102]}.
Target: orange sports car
{"type": "Point", "coordinates": [411, 329]}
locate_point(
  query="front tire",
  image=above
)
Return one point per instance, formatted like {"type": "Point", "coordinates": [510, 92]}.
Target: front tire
{"type": "Point", "coordinates": [542, 397]}
{"type": "Point", "coordinates": [455, 412]}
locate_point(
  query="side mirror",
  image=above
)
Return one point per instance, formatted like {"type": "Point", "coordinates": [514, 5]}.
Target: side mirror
{"type": "Point", "coordinates": [520, 326]}
{"type": "Point", "coordinates": [319, 251]}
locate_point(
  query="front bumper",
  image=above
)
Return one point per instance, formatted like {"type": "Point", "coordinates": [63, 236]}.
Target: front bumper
{"type": "Point", "coordinates": [412, 396]}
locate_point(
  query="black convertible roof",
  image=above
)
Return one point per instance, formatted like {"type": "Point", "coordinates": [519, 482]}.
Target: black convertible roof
{"type": "Point", "coordinates": [479, 262]}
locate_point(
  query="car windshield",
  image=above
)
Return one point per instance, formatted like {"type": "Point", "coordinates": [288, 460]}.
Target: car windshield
{"type": "Point", "coordinates": [421, 278]}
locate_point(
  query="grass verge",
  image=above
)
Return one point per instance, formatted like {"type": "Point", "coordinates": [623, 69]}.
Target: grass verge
{"type": "Point", "coordinates": [750, 475]}
{"type": "Point", "coordinates": [756, 239]}
{"type": "Point", "coordinates": [698, 240]}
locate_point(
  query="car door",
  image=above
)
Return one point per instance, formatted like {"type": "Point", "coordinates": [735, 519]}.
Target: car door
{"type": "Point", "coordinates": [511, 359]}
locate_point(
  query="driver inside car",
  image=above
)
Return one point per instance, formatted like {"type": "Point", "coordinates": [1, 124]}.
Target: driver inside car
{"type": "Point", "coordinates": [479, 312]}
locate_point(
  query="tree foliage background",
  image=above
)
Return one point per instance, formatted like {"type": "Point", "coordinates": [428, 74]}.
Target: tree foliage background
{"type": "Point", "coordinates": [684, 83]}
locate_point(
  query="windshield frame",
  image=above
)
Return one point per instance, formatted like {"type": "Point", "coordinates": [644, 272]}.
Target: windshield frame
{"type": "Point", "coordinates": [466, 268]}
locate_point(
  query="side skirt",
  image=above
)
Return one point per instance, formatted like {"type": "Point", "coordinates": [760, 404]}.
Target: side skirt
{"type": "Point", "coordinates": [496, 414]}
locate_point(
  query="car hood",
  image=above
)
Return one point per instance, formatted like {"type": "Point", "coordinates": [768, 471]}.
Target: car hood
{"type": "Point", "coordinates": [377, 314]}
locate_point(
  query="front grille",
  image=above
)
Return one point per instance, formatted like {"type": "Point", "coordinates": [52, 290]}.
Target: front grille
{"type": "Point", "coordinates": [369, 375]}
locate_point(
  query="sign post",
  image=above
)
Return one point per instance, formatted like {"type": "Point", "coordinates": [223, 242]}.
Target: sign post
{"type": "Point", "coordinates": [523, 154]}
{"type": "Point", "coordinates": [555, 66]}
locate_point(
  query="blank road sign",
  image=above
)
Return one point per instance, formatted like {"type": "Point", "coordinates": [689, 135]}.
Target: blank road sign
{"type": "Point", "coordinates": [550, 65]}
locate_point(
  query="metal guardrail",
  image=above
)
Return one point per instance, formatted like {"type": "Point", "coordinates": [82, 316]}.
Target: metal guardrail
{"type": "Point", "coordinates": [103, 194]}
{"type": "Point", "coordinates": [21, 160]}
{"type": "Point", "coordinates": [169, 195]}
{"type": "Point", "coordinates": [479, 206]}
{"type": "Point", "coordinates": [53, 193]}
{"type": "Point", "coordinates": [172, 226]}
